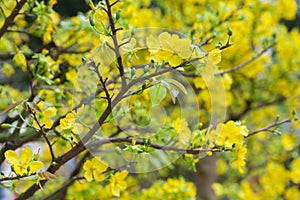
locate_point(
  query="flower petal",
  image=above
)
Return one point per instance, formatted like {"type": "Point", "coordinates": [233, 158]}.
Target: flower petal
{"type": "Point", "coordinates": [12, 157]}
{"type": "Point", "coordinates": [26, 155]}
{"type": "Point", "coordinates": [35, 165]}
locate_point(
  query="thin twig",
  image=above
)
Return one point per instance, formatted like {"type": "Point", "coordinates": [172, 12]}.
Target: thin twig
{"type": "Point", "coordinates": [114, 31]}
{"type": "Point", "coordinates": [16, 177]}
{"type": "Point", "coordinates": [246, 62]}
{"type": "Point", "coordinates": [12, 16]}
{"type": "Point", "coordinates": [156, 146]}
{"type": "Point", "coordinates": [267, 128]}
{"type": "Point", "coordinates": [42, 131]}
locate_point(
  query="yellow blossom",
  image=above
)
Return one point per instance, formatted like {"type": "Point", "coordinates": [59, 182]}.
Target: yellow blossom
{"type": "Point", "coordinates": [20, 60]}
{"type": "Point", "coordinates": [230, 134]}
{"type": "Point", "coordinates": [117, 183]}
{"type": "Point", "coordinates": [215, 56]}
{"type": "Point", "coordinates": [45, 118]}
{"type": "Point", "coordinates": [239, 163]}
{"type": "Point", "coordinates": [94, 169]}
{"type": "Point", "coordinates": [169, 48]}
{"type": "Point", "coordinates": [288, 141]}
{"type": "Point", "coordinates": [24, 163]}
{"type": "Point", "coordinates": [295, 171]}
{"type": "Point", "coordinates": [68, 123]}
{"type": "Point", "coordinates": [183, 131]}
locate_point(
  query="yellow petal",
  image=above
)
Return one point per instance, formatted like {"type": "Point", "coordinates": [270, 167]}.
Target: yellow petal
{"type": "Point", "coordinates": [63, 124]}
{"type": "Point", "coordinates": [99, 164]}
{"type": "Point", "coordinates": [47, 122]}
{"type": "Point", "coordinates": [20, 60]}
{"type": "Point", "coordinates": [122, 185]}
{"type": "Point", "coordinates": [49, 112]}
{"type": "Point", "coordinates": [35, 165]}
{"type": "Point", "coordinates": [87, 165]}
{"type": "Point", "coordinates": [215, 56]}
{"type": "Point", "coordinates": [12, 157]}
{"type": "Point", "coordinates": [98, 176]}
{"type": "Point", "coordinates": [88, 175]}
{"type": "Point", "coordinates": [122, 175]}
{"type": "Point", "coordinates": [26, 155]}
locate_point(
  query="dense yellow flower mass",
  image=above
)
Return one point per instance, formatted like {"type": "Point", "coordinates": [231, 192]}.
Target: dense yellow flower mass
{"type": "Point", "coordinates": [246, 42]}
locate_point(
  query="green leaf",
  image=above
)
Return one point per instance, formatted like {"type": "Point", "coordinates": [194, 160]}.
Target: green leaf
{"type": "Point", "coordinates": [157, 94]}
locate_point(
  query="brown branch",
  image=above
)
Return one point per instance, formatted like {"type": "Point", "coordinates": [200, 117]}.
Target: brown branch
{"type": "Point", "coordinates": [246, 62]}
{"type": "Point", "coordinates": [268, 128]}
{"type": "Point", "coordinates": [115, 40]}
{"type": "Point", "coordinates": [12, 16]}
{"type": "Point", "coordinates": [16, 177]}
{"type": "Point", "coordinates": [156, 146]}
{"type": "Point", "coordinates": [42, 132]}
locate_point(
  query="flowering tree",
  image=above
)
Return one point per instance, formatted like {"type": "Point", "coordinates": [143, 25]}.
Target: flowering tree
{"type": "Point", "coordinates": [91, 103]}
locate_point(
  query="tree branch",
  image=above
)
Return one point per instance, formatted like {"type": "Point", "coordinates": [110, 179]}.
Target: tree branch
{"type": "Point", "coordinates": [43, 132]}
{"type": "Point", "coordinates": [267, 128]}
{"type": "Point", "coordinates": [246, 62]}
{"type": "Point", "coordinates": [16, 177]}
{"type": "Point", "coordinates": [155, 146]}
{"type": "Point", "coordinates": [115, 40]}
{"type": "Point", "coordinates": [12, 16]}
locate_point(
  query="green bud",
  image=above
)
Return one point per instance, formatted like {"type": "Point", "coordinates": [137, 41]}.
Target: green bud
{"type": "Point", "coordinates": [28, 168]}
{"type": "Point", "coordinates": [148, 141]}
{"type": "Point", "coordinates": [118, 14]}
{"type": "Point", "coordinates": [229, 31]}
{"type": "Point", "coordinates": [144, 86]}
{"type": "Point", "coordinates": [36, 155]}
{"type": "Point", "coordinates": [6, 125]}
{"type": "Point", "coordinates": [12, 168]}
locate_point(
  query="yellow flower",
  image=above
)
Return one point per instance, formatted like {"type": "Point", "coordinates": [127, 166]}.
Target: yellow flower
{"type": "Point", "coordinates": [23, 164]}
{"type": "Point", "coordinates": [117, 183]}
{"type": "Point", "coordinates": [289, 141]}
{"type": "Point", "coordinates": [215, 56]}
{"type": "Point", "coordinates": [47, 37]}
{"type": "Point", "coordinates": [183, 131]}
{"type": "Point", "coordinates": [46, 118]}
{"type": "Point", "coordinates": [239, 163]}
{"type": "Point", "coordinates": [169, 48]}
{"type": "Point", "coordinates": [230, 134]}
{"type": "Point", "coordinates": [94, 169]}
{"type": "Point", "coordinates": [68, 123]}
{"type": "Point", "coordinates": [295, 171]}
{"type": "Point", "coordinates": [20, 60]}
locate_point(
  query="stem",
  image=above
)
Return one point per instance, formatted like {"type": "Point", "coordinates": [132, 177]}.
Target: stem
{"type": "Point", "coordinates": [156, 146]}
{"type": "Point", "coordinates": [246, 62]}
{"type": "Point", "coordinates": [43, 132]}
{"type": "Point", "coordinates": [12, 16]}
{"type": "Point", "coordinates": [267, 128]}
{"type": "Point", "coordinates": [16, 177]}
{"type": "Point", "coordinates": [115, 40]}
